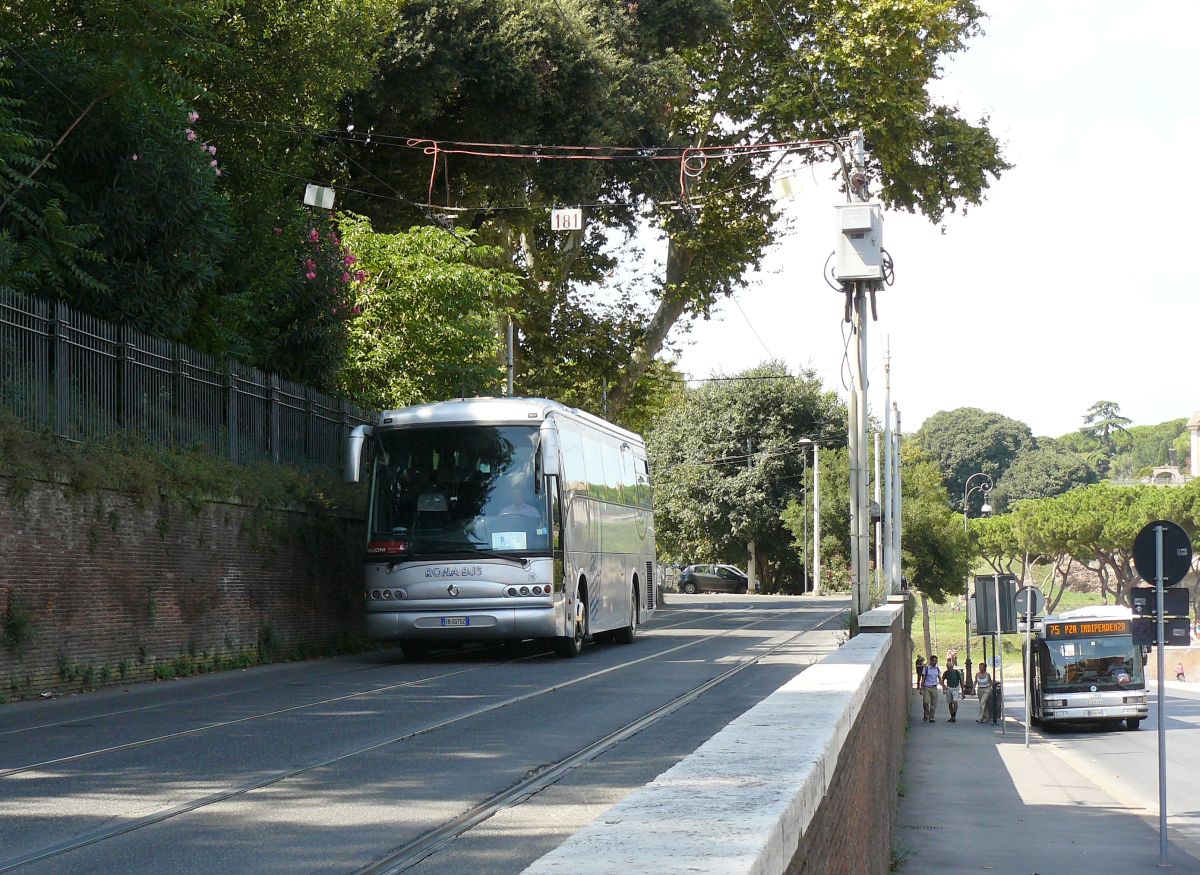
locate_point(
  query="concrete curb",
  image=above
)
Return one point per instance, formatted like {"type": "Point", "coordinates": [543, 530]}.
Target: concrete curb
{"type": "Point", "coordinates": [742, 801]}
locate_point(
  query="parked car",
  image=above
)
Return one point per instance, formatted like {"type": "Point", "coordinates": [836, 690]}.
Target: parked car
{"type": "Point", "coordinates": [713, 578]}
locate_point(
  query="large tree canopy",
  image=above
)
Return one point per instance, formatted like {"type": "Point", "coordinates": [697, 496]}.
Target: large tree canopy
{"type": "Point", "coordinates": [727, 459]}
{"type": "Point", "coordinates": [968, 440]}
{"type": "Point", "coordinates": [1041, 472]}
{"type": "Point", "coordinates": [683, 74]}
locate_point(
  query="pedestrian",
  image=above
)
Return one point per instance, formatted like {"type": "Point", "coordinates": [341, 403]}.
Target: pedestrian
{"type": "Point", "coordinates": [952, 683]}
{"type": "Point", "coordinates": [929, 689]}
{"type": "Point", "coordinates": [983, 689]}
{"type": "Point", "coordinates": [920, 670]}
{"type": "Point", "coordinates": [1179, 672]}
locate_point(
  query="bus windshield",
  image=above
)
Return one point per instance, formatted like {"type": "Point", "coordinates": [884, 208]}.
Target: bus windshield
{"type": "Point", "coordinates": [450, 490]}
{"type": "Point", "coordinates": [1078, 664]}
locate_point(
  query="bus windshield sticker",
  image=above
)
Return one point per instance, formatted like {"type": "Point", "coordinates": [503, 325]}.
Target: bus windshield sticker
{"type": "Point", "coordinates": [508, 540]}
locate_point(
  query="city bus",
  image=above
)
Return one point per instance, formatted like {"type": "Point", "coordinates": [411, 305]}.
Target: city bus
{"type": "Point", "coordinates": [1086, 669]}
{"type": "Point", "coordinates": [504, 519]}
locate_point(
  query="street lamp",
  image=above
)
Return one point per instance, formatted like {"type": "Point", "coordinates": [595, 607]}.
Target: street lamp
{"type": "Point", "coordinates": [984, 486]}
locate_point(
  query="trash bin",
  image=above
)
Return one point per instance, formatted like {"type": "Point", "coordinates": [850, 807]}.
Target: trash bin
{"type": "Point", "coordinates": [996, 703]}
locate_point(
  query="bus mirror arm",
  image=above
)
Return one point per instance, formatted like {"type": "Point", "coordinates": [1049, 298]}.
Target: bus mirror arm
{"type": "Point", "coordinates": [354, 446]}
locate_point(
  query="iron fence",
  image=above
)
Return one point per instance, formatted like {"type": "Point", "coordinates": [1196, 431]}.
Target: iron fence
{"type": "Point", "coordinates": [86, 379]}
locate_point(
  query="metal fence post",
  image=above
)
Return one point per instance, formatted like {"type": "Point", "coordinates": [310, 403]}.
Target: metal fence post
{"type": "Point", "coordinates": [310, 425]}
{"type": "Point", "coordinates": [231, 409]}
{"type": "Point", "coordinates": [125, 403]}
{"type": "Point", "coordinates": [273, 413]}
{"type": "Point", "coordinates": [60, 325]}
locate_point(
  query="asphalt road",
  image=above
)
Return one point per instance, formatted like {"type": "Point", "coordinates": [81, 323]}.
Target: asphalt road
{"type": "Point", "coordinates": [476, 760]}
{"type": "Point", "coordinates": [1125, 764]}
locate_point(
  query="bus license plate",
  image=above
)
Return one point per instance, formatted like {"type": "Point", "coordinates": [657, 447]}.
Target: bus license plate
{"type": "Point", "coordinates": [1095, 712]}
{"type": "Point", "coordinates": [456, 621]}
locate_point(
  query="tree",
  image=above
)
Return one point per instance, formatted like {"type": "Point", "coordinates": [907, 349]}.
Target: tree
{"type": "Point", "coordinates": [935, 554]}
{"type": "Point", "coordinates": [1103, 422]}
{"type": "Point", "coordinates": [1041, 472]}
{"type": "Point", "coordinates": [425, 317]}
{"type": "Point", "coordinates": [711, 496]}
{"type": "Point", "coordinates": [677, 75]}
{"type": "Point", "coordinates": [968, 440]}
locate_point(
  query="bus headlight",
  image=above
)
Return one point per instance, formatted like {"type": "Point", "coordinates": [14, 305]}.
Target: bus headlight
{"type": "Point", "coordinates": [1135, 700]}
{"type": "Point", "coordinates": [375, 594]}
{"type": "Point", "coordinates": [387, 593]}
{"type": "Point", "coordinates": [400, 594]}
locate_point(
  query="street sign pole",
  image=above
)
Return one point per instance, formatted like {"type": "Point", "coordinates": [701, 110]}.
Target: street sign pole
{"type": "Point", "coordinates": [999, 651]}
{"type": "Point", "coordinates": [1028, 642]}
{"type": "Point", "coordinates": [1162, 729]}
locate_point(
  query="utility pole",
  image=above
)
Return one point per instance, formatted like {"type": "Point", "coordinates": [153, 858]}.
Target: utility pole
{"type": "Point", "coordinates": [877, 528]}
{"type": "Point", "coordinates": [893, 584]}
{"type": "Point", "coordinates": [859, 267]}
{"type": "Point", "coordinates": [897, 497]}
{"type": "Point", "coordinates": [509, 357]}
{"type": "Point", "coordinates": [751, 570]}
{"type": "Point", "coordinates": [817, 518]}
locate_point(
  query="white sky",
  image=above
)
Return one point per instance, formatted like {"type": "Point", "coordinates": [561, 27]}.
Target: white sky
{"type": "Point", "coordinates": [1074, 281]}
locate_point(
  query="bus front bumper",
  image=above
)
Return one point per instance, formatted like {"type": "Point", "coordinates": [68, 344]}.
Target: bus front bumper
{"type": "Point", "coordinates": [467, 625]}
{"type": "Point", "coordinates": [1087, 715]}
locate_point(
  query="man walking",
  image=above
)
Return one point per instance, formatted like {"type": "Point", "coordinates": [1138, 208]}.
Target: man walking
{"type": "Point", "coordinates": [929, 689]}
{"type": "Point", "coordinates": [952, 681]}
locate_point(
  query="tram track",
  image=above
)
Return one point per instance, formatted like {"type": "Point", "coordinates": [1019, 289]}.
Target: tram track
{"type": "Point", "coordinates": [221, 724]}
{"type": "Point", "coordinates": [429, 842]}
{"type": "Point", "coordinates": [412, 853]}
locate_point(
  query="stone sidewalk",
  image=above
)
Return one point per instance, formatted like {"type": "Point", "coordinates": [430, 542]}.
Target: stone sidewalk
{"type": "Point", "coordinates": [977, 801]}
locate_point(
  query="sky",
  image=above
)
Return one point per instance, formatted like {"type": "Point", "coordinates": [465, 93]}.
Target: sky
{"type": "Point", "coordinates": [1075, 281]}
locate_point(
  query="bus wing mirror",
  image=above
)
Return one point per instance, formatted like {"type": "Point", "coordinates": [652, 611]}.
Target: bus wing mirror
{"type": "Point", "coordinates": [354, 447]}
{"type": "Point", "coordinates": [548, 441]}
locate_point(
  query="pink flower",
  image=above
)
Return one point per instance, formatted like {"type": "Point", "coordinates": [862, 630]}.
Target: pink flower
{"type": "Point", "coordinates": [212, 150]}
{"type": "Point", "coordinates": [311, 275]}
{"type": "Point", "coordinates": [191, 135]}
{"type": "Point", "coordinates": [345, 277]}
{"type": "Point", "coordinates": [357, 310]}
{"type": "Point", "coordinates": [135, 156]}
{"type": "Point", "coordinates": [334, 237]}
{"type": "Point", "coordinates": [360, 275]}
{"type": "Point", "coordinates": [310, 264]}
{"type": "Point", "coordinates": [333, 310]}
{"type": "Point", "coordinates": [212, 163]}
{"type": "Point", "coordinates": [193, 116]}
{"type": "Point", "coordinates": [278, 231]}
{"type": "Point", "coordinates": [314, 236]}
{"type": "Point", "coordinates": [217, 170]}
{"type": "Point", "coordinates": [349, 259]}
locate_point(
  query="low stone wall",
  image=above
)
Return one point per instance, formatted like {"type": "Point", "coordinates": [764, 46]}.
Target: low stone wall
{"type": "Point", "coordinates": [96, 590]}
{"type": "Point", "coordinates": [803, 782]}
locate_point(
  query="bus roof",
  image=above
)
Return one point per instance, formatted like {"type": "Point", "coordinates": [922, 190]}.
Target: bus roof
{"type": "Point", "coordinates": [1093, 612]}
{"type": "Point", "coordinates": [493, 411]}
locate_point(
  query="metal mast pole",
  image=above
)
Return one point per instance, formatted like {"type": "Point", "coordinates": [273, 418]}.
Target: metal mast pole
{"type": "Point", "coordinates": [877, 528]}
{"type": "Point", "coordinates": [893, 583]}
{"type": "Point", "coordinates": [817, 519]}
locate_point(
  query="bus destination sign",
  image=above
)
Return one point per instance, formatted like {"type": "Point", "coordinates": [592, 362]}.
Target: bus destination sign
{"type": "Point", "coordinates": [1088, 627]}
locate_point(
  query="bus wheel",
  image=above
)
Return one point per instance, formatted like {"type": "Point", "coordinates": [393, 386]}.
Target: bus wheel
{"type": "Point", "coordinates": [1133, 722]}
{"type": "Point", "coordinates": [626, 634]}
{"type": "Point", "coordinates": [569, 648]}
{"type": "Point", "coordinates": [414, 650]}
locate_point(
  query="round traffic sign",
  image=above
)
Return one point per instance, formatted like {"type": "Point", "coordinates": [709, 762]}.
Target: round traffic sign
{"type": "Point", "coordinates": [1030, 601]}
{"type": "Point", "coordinates": [1176, 552]}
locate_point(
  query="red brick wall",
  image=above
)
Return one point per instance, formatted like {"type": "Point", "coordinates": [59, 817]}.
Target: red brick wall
{"type": "Point", "coordinates": [851, 832]}
{"type": "Point", "coordinates": [95, 590]}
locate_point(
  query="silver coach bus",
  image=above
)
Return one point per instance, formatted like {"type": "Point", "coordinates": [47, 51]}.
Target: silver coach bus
{"type": "Point", "coordinates": [505, 519]}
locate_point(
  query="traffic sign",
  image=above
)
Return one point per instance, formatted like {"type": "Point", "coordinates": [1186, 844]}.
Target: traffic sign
{"type": "Point", "coordinates": [1030, 601]}
{"type": "Point", "coordinates": [1176, 552]}
{"type": "Point", "coordinates": [1144, 601]}
{"type": "Point", "coordinates": [1177, 631]}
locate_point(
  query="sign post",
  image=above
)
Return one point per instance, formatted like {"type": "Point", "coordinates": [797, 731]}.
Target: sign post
{"type": "Point", "coordinates": [1030, 603]}
{"type": "Point", "coordinates": [1164, 550]}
